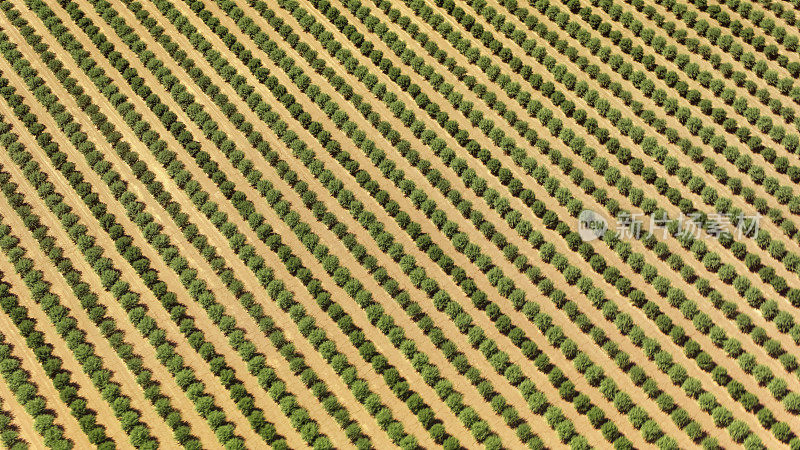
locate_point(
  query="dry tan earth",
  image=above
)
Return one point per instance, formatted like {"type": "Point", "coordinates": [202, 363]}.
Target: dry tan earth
{"type": "Point", "coordinates": [21, 421]}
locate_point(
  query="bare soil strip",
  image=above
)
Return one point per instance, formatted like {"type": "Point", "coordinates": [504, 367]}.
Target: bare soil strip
{"type": "Point", "coordinates": [20, 419]}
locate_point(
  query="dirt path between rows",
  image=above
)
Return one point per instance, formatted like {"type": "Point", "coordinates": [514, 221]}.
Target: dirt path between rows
{"type": "Point", "coordinates": [62, 415]}
{"type": "Point", "coordinates": [446, 283]}
{"type": "Point", "coordinates": [788, 343]}
{"type": "Point", "coordinates": [233, 215]}
{"type": "Point", "coordinates": [490, 326]}
{"type": "Point", "coordinates": [624, 343]}
{"type": "Point", "coordinates": [103, 349]}
{"type": "Point", "coordinates": [679, 155]}
{"type": "Point", "coordinates": [510, 233]}
{"type": "Point", "coordinates": [500, 259]}
{"type": "Point", "coordinates": [141, 347]}
{"type": "Point", "coordinates": [21, 421]}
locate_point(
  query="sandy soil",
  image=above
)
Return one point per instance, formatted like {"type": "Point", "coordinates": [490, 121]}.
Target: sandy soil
{"type": "Point", "coordinates": [725, 57]}
{"type": "Point", "coordinates": [501, 258]}
{"type": "Point", "coordinates": [489, 328]}
{"type": "Point", "coordinates": [231, 257]}
{"type": "Point", "coordinates": [102, 348]}
{"type": "Point", "coordinates": [343, 255]}
{"type": "Point", "coordinates": [788, 343]}
{"type": "Point", "coordinates": [410, 247]}
{"type": "Point", "coordinates": [21, 421]}
{"type": "Point", "coordinates": [510, 233]}
{"type": "Point", "coordinates": [481, 278]}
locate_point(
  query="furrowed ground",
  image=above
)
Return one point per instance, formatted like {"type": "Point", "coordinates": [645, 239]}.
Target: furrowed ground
{"type": "Point", "coordinates": [362, 224]}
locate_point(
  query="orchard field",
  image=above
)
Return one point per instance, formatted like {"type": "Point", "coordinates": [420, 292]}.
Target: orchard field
{"type": "Point", "coordinates": [363, 224]}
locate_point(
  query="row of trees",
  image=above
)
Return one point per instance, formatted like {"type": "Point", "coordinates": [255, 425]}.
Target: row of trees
{"type": "Point", "coordinates": [148, 326]}
{"type": "Point", "coordinates": [247, 210]}
{"type": "Point", "coordinates": [307, 428]}
{"type": "Point", "coordinates": [26, 392]}
{"type": "Point", "coordinates": [409, 266]}
{"type": "Point", "coordinates": [728, 95]}
{"type": "Point", "coordinates": [60, 315]}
